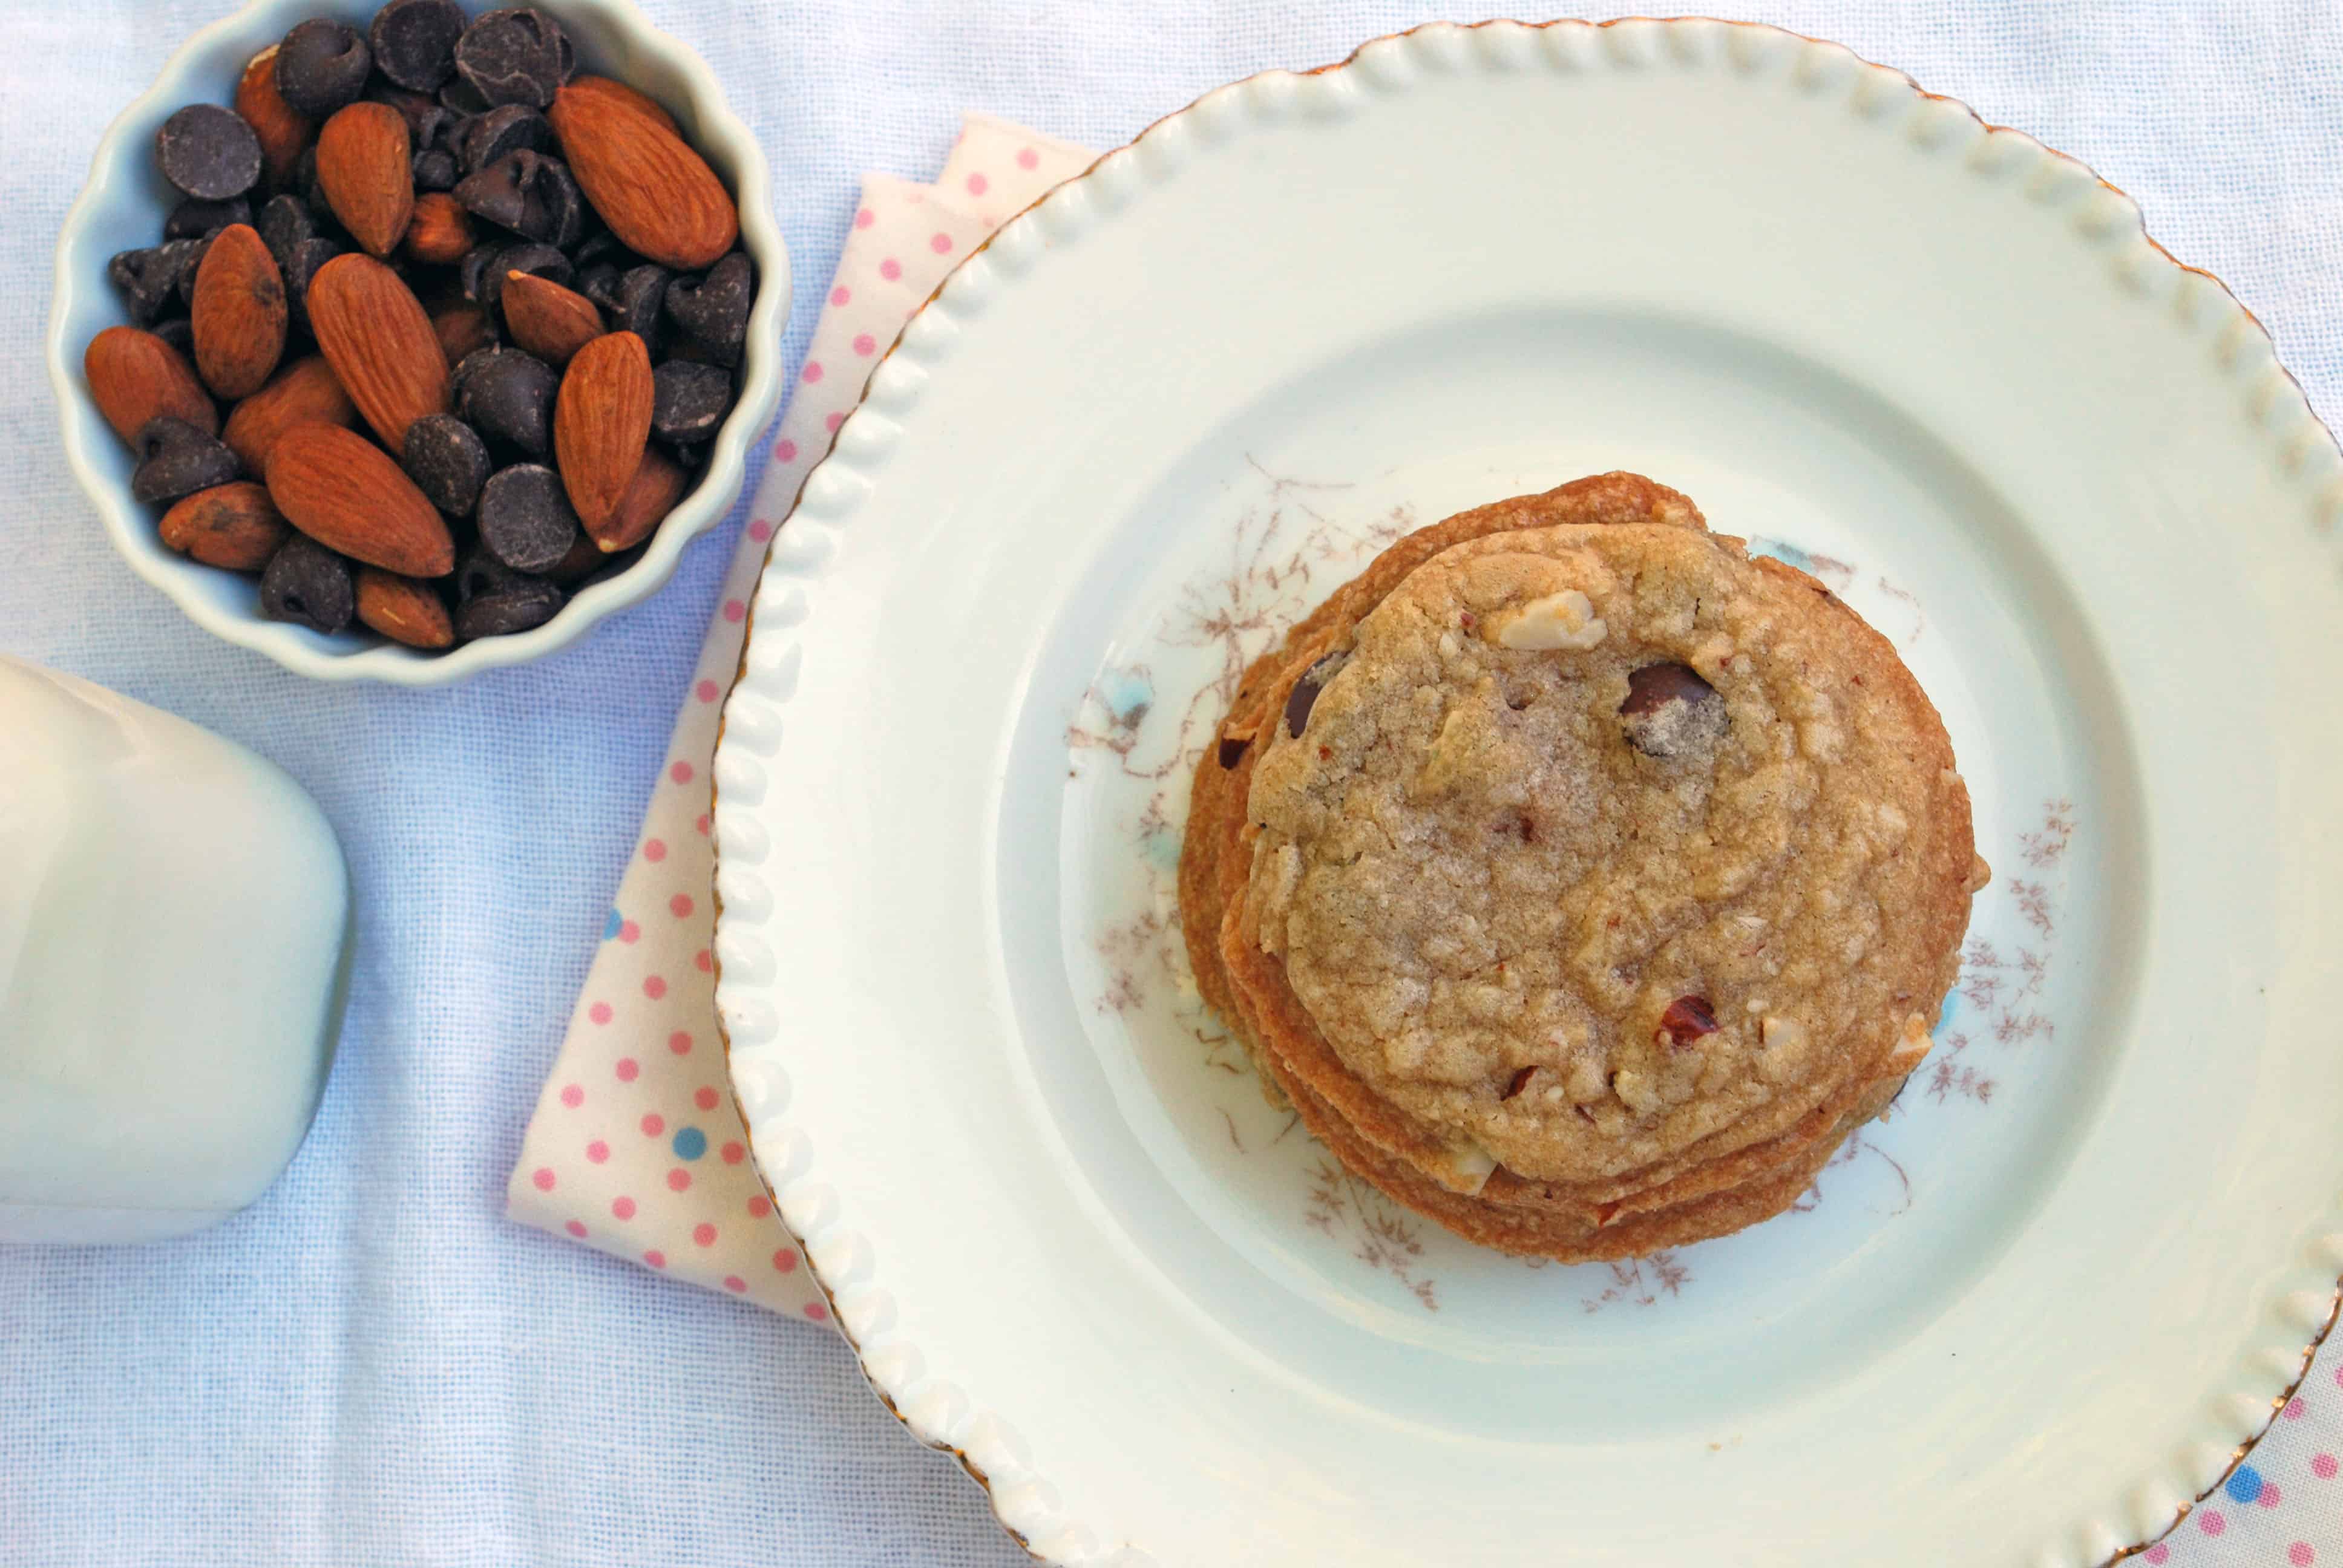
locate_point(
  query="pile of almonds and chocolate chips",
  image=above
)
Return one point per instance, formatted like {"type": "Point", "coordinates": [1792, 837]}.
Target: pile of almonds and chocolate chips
{"type": "Point", "coordinates": [473, 320]}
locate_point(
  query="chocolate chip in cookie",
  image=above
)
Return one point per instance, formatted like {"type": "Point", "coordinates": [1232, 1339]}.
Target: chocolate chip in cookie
{"type": "Point", "coordinates": [1671, 712]}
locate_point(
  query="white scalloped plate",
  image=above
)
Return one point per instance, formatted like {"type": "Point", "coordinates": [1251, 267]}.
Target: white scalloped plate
{"type": "Point", "coordinates": [2026, 1320]}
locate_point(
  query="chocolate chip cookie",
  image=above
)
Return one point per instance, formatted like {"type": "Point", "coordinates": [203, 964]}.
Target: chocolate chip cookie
{"type": "Point", "coordinates": [1581, 881]}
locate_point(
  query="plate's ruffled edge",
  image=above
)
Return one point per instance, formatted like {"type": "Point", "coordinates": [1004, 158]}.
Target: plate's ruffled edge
{"type": "Point", "coordinates": [2291, 1327]}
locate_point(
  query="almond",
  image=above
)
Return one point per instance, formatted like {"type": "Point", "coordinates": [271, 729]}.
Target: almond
{"type": "Point", "coordinates": [601, 420]}
{"type": "Point", "coordinates": [346, 493]}
{"type": "Point", "coordinates": [548, 320]}
{"type": "Point", "coordinates": [659, 483]}
{"type": "Point", "coordinates": [372, 331]}
{"type": "Point", "coordinates": [234, 526]}
{"type": "Point", "coordinates": [440, 232]}
{"type": "Point", "coordinates": [403, 609]}
{"type": "Point", "coordinates": [303, 393]}
{"type": "Point", "coordinates": [239, 313]}
{"type": "Point", "coordinates": [658, 196]}
{"type": "Point", "coordinates": [283, 134]}
{"type": "Point", "coordinates": [612, 87]}
{"type": "Point", "coordinates": [365, 168]}
{"type": "Point", "coordinates": [135, 376]}
{"type": "Point", "coordinates": [460, 329]}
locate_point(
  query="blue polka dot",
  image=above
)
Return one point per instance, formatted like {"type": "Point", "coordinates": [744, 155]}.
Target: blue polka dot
{"type": "Point", "coordinates": [2245, 1483]}
{"type": "Point", "coordinates": [691, 1143]}
{"type": "Point", "coordinates": [610, 927]}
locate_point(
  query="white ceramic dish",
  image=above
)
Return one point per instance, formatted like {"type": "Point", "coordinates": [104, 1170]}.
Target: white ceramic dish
{"type": "Point", "coordinates": [122, 207]}
{"type": "Point", "coordinates": [2028, 1320]}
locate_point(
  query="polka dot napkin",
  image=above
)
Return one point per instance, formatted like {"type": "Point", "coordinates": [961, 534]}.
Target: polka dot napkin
{"type": "Point", "coordinates": [635, 1147]}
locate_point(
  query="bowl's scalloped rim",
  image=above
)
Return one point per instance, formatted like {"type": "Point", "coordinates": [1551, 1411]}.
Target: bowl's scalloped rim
{"type": "Point", "coordinates": [2232, 1418]}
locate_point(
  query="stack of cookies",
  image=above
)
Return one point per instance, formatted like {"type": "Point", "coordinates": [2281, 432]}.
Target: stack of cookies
{"type": "Point", "coordinates": [1582, 881]}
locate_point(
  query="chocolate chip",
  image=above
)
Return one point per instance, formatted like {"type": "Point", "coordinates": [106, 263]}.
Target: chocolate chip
{"type": "Point", "coordinates": [1232, 751]}
{"type": "Point", "coordinates": [529, 194]}
{"type": "Point", "coordinates": [463, 99]}
{"type": "Point", "coordinates": [1304, 695]}
{"type": "Point", "coordinates": [149, 279]}
{"type": "Point", "coordinates": [1670, 711]}
{"type": "Point", "coordinates": [506, 394]}
{"type": "Point", "coordinates": [691, 455]}
{"type": "Point", "coordinates": [503, 131]}
{"type": "Point", "coordinates": [179, 333]}
{"type": "Point", "coordinates": [304, 179]}
{"type": "Point", "coordinates": [309, 585]}
{"type": "Point", "coordinates": [635, 306]}
{"type": "Point", "coordinates": [186, 284]}
{"type": "Point", "coordinates": [714, 308]}
{"type": "Point", "coordinates": [209, 152]}
{"type": "Point", "coordinates": [175, 459]}
{"type": "Point", "coordinates": [528, 603]}
{"type": "Point", "coordinates": [480, 574]}
{"type": "Point", "coordinates": [433, 169]}
{"type": "Point", "coordinates": [298, 268]}
{"type": "Point", "coordinates": [414, 42]}
{"type": "Point", "coordinates": [447, 461]}
{"type": "Point", "coordinates": [482, 270]}
{"type": "Point", "coordinates": [196, 219]}
{"type": "Point", "coordinates": [284, 221]}
{"type": "Point", "coordinates": [321, 66]}
{"type": "Point", "coordinates": [1519, 1081]}
{"type": "Point", "coordinates": [604, 248]}
{"type": "Point", "coordinates": [525, 521]}
{"type": "Point", "coordinates": [517, 56]}
{"type": "Point", "coordinates": [427, 119]}
{"type": "Point", "coordinates": [1688, 1018]}
{"type": "Point", "coordinates": [688, 401]}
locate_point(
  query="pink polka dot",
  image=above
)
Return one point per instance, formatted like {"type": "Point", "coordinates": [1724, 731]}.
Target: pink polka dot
{"type": "Point", "coordinates": [679, 1042]}
{"type": "Point", "coordinates": [704, 1098]}
{"type": "Point", "coordinates": [760, 1206]}
{"type": "Point", "coordinates": [813, 372]}
{"type": "Point", "coordinates": [655, 1258]}
{"type": "Point", "coordinates": [2323, 1465]}
{"type": "Point", "coordinates": [623, 1208]}
{"type": "Point", "coordinates": [2269, 1496]}
{"type": "Point", "coordinates": [679, 1180]}
{"type": "Point", "coordinates": [2211, 1522]}
{"type": "Point", "coordinates": [704, 1235]}
{"type": "Point", "coordinates": [890, 269]}
{"type": "Point", "coordinates": [735, 1284]}
{"type": "Point", "coordinates": [978, 185]}
{"type": "Point", "coordinates": [597, 1151]}
{"type": "Point", "coordinates": [707, 691]}
{"type": "Point", "coordinates": [707, 965]}
{"type": "Point", "coordinates": [654, 986]}
{"type": "Point", "coordinates": [832, 421]}
{"type": "Point", "coordinates": [543, 1178]}
{"type": "Point", "coordinates": [652, 1124]}
{"type": "Point", "coordinates": [628, 1068]}
{"type": "Point", "coordinates": [2338, 1377]}
{"type": "Point", "coordinates": [786, 450]}
{"type": "Point", "coordinates": [2300, 1554]}
{"type": "Point", "coordinates": [1027, 158]}
{"type": "Point", "coordinates": [679, 772]}
{"type": "Point", "coordinates": [785, 1261]}
{"type": "Point", "coordinates": [734, 1153]}
{"type": "Point", "coordinates": [841, 294]}
{"type": "Point", "coordinates": [600, 1013]}
{"type": "Point", "coordinates": [2293, 1408]}
{"type": "Point", "coordinates": [576, 1228]}
{"type": "Point", "coordinates": [572, 1096]}
{"type": "Point", "coordinates": [759, 529]}
{"type": "Point", "coordinates": [680, 906]}
{"type": "Point", "coordinates": [734, 610]}
{"type": "Point", "coordinates": [2157, 1554]}
{"type": "Point", "coordinates": [865, 218]}
{"type": "Point", "coordinates": [865, 345]}
{"type": "Point", "coordinates": [700, 822]}
{"type": "Point", "coordinates": [655, 850]}
{"type": "Point", "coordinates": [629, 931]}
{"type": "Point", "coordinates": [939, 243]}
{"type": "Point", "coordinates": [816, 1311]}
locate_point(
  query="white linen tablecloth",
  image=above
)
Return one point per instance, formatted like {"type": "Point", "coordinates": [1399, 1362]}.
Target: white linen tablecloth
{"type": "Point", "coordinates": [373, 1365]}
